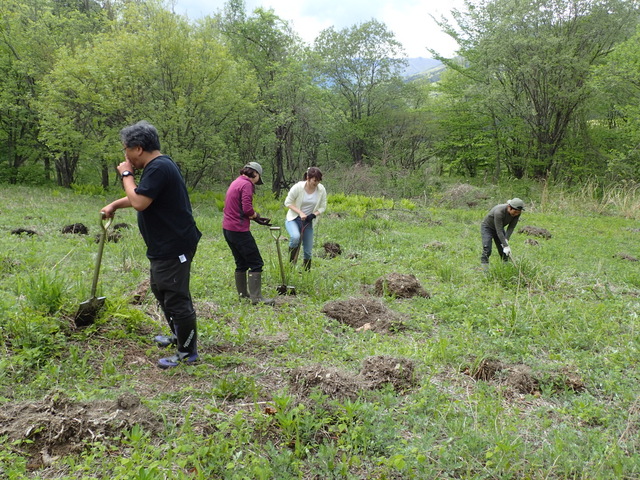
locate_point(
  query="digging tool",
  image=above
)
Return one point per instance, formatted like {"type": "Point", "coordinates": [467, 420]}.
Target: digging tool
{"type": "Point", "coordinates": [88, 310]}
{"type": "Point", "coordinates": [282, 289]}
{"type": "Point", "coordinates": [305, 224]}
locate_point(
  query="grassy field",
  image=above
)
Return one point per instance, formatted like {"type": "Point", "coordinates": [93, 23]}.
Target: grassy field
{"type": "Point", "coordinates": [529, 370]}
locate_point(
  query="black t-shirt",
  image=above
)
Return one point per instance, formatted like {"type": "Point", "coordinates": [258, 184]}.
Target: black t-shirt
{"type": "Point", "coordinates": [167, 225]}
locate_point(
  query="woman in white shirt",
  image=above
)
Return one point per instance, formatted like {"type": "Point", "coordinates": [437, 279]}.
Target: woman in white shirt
{"type": "Point", "coordinates": [306, 200]}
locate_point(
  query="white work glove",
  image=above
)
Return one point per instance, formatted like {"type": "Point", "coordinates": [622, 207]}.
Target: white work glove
{"type": "Point", "coordinates": [507, 250]}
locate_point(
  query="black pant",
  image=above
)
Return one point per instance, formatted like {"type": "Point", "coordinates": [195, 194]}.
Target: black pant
{"type": "Point", "coordinates": [169, 282]}
{"type": "Point", "coordinates": [245, 251]}
{"type": "Point", "coordinates": [489, 235]}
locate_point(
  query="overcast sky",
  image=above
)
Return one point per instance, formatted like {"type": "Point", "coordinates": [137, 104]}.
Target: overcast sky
{"type": "Point", "coordinates": [408, 19]}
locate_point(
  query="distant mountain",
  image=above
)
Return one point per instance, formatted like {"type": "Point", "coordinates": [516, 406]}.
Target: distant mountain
{"type": "Point", "coordinates": [419, 65]}
{"type": "Point", "coordinates": [423, 68]}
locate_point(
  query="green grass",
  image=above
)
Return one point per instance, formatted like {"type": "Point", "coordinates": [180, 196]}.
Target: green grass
{"type": "Point", "coordinates": [567, 307]}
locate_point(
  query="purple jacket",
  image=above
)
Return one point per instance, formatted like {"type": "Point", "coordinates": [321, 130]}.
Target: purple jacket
{"type": "Point", "coordinates": [238, 205]}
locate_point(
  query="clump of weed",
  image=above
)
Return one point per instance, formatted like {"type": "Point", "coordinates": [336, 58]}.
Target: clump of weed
{"type": "Point", "coordinates": [522, 273]}
{"type": "Point", "coordinates": [44, 291]}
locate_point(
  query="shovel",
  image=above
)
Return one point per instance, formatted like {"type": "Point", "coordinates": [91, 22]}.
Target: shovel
{"type": "Point", "coordinates": [88, 310]}
{"type": "Point", "coordinates": [281, 289]}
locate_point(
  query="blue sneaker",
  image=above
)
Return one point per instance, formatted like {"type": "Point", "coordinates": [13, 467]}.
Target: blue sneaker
{"type": "Point", "coordinates": [174, 360]}
{"type": "Point", "coordinates": [164, 341]}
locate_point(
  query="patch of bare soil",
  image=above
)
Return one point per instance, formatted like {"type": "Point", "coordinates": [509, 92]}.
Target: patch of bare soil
{"type": "Point", "coordinates": [76, 228]}
{"type": "Point", "coordinates": [435, 245]}
{"type": "Point", "coordinates": [57, 426]}
{"type": "Point", "coordinates": [376, 373]}
{"type": "Point", "coordinates": [532, 242]}
{"type": "Point", "coordinates": [624, 256]}
{"type": "Point", "coordinates": [400, 285]}
{"type": "Point", "coordinates": [521, 379]}
{"type": "Point", "coordinates": [365, 314]}
{"type": "Point", "coordinates": [536, 232]}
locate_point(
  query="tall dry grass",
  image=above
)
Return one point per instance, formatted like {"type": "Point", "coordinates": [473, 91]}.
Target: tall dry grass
{"type": "Point", "coordinates": [593, 196]}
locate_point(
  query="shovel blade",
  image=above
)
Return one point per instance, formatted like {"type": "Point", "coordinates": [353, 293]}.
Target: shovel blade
{"type": "Point", "coordinates": [87, 311]}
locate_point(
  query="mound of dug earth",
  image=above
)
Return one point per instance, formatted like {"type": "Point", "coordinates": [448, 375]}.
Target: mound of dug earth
{"type": "Point", "coordinates": [76, 228]}
{"type": "Point", "coordinates": [376, 373]}
{"type": "Point", "coordinates": [383, 370]}
{"type": "Point", "coordinates": [400, 285]}
{"type": "Point", "coordinates": [330, 381]}
{"type": "Point", "coordinates": [366, 314]}
{"type": "Point", "coordinates": [57, 426]}
{"type": "Point", "coordinates": [522, 379]}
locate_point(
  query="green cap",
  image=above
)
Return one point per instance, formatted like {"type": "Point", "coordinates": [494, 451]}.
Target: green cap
{"type": "Point", "coordinates": [516, 203]}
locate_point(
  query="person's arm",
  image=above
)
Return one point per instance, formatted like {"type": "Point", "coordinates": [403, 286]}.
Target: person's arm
{"type": "Point", "coordinates": [291, 200]}
{"type": "Point", "coordinates": [498, 222]}
{"type": "Point", "coordinates": [322, 202]}
{"type": "Point", "coordinates": [512, 226]}
{"type": "Point", "coordinates": [110, 210]}
{"type": "Point", "coordinates": [246, 195]}
{"type": "Point", "coordinates": [138, 202]}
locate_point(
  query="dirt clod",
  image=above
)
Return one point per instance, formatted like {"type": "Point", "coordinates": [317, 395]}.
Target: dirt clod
{"type": "Point", "coordinates": [24, 231]}
{"type": "Point", "coordinates": [113, 236]}
{"type": "Point", "coordinates": [77, 228]}
{"type": "Point", "coordinates": [359, 312]}
{"type": "Point", "coordinates": [531, 242]}
{"type": "Point", "coordinates": [400, 285]}
{"type": "Point", "coordinates": [331, 249]}
{"type": "Point", "coordinates": [535, 232]}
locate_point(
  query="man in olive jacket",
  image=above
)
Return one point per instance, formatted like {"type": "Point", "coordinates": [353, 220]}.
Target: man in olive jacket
{"type": "Point", "coordinates": [493, 228]}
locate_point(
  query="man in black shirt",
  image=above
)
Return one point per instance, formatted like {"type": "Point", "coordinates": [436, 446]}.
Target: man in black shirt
{"type": "Point", "coordinates": [167, 226]}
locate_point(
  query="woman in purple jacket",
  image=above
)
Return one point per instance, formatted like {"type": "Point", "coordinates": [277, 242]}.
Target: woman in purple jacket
{"type": "Point", "coordinates": [238, 211]}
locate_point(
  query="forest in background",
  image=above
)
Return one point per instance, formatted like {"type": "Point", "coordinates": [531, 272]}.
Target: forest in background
{"type": "Point", "coordinates": [544, 89]}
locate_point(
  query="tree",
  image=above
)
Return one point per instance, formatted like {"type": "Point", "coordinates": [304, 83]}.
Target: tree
{"type": "Point", "coordinates": [531, 61]}
{"type": "Point", "coordinates": [614, 123]}
{"type": "Point", "coordinates": [31, 31]}
{"type": "Point", "coordinates": [154, 66]}
{"type": "Point", "coordinates": [275, 54]}
{"type": "Point", "coordinates": [361, 66]}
